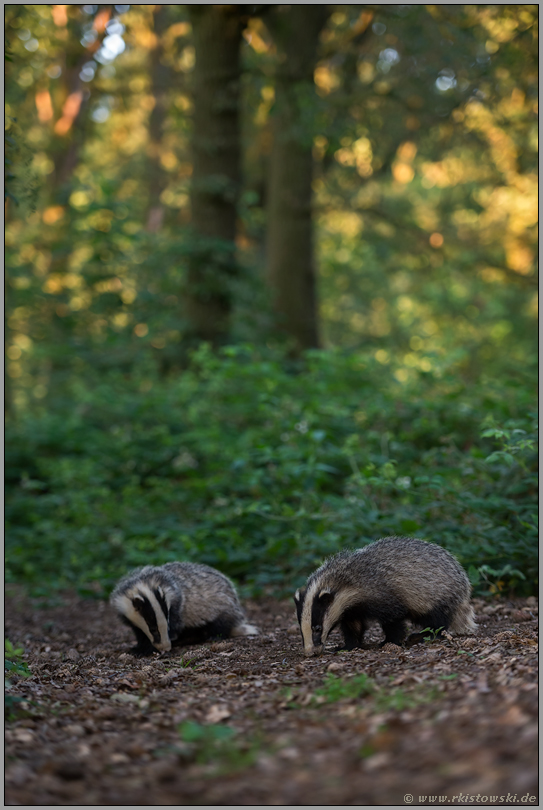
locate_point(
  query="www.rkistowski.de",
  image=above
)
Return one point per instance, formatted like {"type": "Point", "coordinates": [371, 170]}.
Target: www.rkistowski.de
{"type": "Point", "coordinates": [476, 798]}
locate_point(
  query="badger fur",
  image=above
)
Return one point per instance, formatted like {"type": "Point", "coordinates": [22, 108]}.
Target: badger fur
{"type": "Point", "coordinates": [391, 580]}
{"type": "Point", "coordinates": [177, 604]}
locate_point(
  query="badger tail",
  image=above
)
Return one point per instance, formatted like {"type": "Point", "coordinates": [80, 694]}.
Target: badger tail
{"type": "Point", "coordinates": [463, 622]}
{"type": "Point", "coordinates": [245, 629]}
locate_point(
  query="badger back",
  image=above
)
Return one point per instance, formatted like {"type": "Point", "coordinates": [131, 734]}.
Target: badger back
{"type": "Point", "coordinates": [420, 574]}
{"type": "Point", "coordinates": [207, 594]}
{"type": "Point", "coordinates": [147, 599]}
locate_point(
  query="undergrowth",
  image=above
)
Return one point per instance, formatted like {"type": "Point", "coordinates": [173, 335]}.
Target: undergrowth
{"type": "Point", "coordinates": [218, 746]}
{"type": "Point", "coordinates": [261, 467]}
{"type": "Point", "coordinates": [14, 666]}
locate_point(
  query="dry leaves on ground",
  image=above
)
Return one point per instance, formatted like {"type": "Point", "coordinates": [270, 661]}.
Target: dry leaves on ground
{"type": "Point", "coordinates": [251, 722]}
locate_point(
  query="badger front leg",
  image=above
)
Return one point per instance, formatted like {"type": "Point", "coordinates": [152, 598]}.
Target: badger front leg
{"type": "Point", "coordinates": [353, 633]}
{"type": "Point", "coordinates": [144, 647]}
{"type": "Point", "coordinates": [395, 632]}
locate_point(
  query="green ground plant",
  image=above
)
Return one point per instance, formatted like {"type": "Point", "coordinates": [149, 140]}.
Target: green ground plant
{"type": "Point", "coordinates": [217, 745]}
{"type": "Point", "coordinates": [14, 665]}
{"type": "Point", "coordinates": [380, 698]}
{"type": "Point", "coordinates": [336, 688]}
{"type": "Point", "coordinates": [399, 699]}
{"type": "Point", "coordinates": [13, 661]}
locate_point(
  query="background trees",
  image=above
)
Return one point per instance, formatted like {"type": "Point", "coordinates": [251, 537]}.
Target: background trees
{"type": "Point", "coordinates": [356, 177]}
{"type": "Point", "coordinates": [290, 257]}
{"type": "Point", "coordinates": [415, 159]}
{"type": "Point", "coordinates": [216, 169]}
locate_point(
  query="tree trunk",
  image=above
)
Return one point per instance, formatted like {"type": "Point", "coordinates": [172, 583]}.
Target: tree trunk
{"type": "Point", "coordinates": [216, 170]}
{"type": "Point", "coordinates": [70, 127]}
{"type": "Point", "coordinates": [290, 252]}
{"type": "Point", "coordinates": [160, 82]}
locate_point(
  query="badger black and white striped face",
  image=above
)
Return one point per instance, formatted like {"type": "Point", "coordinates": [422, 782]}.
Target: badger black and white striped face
{"type": "Point", "coordinates": [146, 606]}
{"type": "Point", "coordinates": [319, 610]}
{"type": "Point", "coordinates": [311, 609]}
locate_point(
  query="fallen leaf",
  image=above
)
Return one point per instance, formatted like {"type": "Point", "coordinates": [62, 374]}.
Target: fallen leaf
{"type": "Point", "coordinates": [217, 712]}
{"type": "Point", "coordinates": [127, 684]}
{"type": "Point", "coordinates": [123, 697]}
{"type": "Point", "coordinates": [514, 716]}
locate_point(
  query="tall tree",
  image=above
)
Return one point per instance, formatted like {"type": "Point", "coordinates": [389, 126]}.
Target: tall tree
{"type": "Point", "coordinates": [160, 75]}
{"type": "Point", "coordinates": [290, 255]}
{"type": "Point", "coordinates": [217, 31]}
{"type": "Point", "coordinates": [69, 128]}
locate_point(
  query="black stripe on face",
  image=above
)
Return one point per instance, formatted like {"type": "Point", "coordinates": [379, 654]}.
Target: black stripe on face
{"type": "Point", "coordinates": [144, 608]}
{"type": "Point", "coordinates": [318, 611]}
{"type": "Point", "coordinates": [161, 599]}
{"type": "Point", "coordinates": [299, 602]}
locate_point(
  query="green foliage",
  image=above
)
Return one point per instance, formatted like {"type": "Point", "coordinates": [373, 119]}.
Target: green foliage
{"type": "Point", "coordinates": [381, 698]}
{"type": "Point", "coordinates": [217, 745]}
{"type": "Point", "coordinates": [13, 660]}
{"type": "Point", "coordinates": [446, 94]}
{"type": "Point", "coordinates": [262, 468]}
{"type": "Point", "coordinates": [121, 450]}
{"type": "Point", "coordinates": [498, 580]}
{"type": "Point", "coordinates": [14, 664]}
{"type": "Point", "coordinates": [398, 699]}
{"type": "Point", "coordinates": [20, 181]}
{"type": "Point", "coordinates": [514, 442]}
{"type": "Point", "coordinates": [431, 634]}
{"type": "Point", "coordinates": [335, 688]}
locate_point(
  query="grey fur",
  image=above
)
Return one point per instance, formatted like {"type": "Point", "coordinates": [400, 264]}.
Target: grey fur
{"type": "Point", "coordinates": [391, 580]}
{"type": "Point", "coordinates": [178, 603]}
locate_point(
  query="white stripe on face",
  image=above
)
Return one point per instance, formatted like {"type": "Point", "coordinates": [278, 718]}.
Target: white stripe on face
{"type": "Point", "coordinates": [305, 620]}
{"type": "Point", "coordinates": [343, 600]}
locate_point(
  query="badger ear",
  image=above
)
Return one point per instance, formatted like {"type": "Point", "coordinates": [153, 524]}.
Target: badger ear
{"type": "Point", "coordinates": [299, 596]}
{"type": "Point", "coordinates": [325, 598]}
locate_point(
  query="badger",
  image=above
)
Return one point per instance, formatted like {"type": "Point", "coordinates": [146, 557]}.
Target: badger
{"type": "Point", "coordinates": [178, 603]}
{"type": "Point", "coordinates": [390, 580]}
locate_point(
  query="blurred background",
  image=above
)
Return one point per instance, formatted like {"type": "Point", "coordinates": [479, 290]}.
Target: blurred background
{"type": "Point", "coordinates": [270, 288]}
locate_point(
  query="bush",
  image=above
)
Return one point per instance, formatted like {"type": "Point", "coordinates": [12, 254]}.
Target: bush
{"type": "Point", "coordinates": [261, 467]}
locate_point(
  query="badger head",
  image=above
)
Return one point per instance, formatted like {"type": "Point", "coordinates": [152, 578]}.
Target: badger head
{"type": "Point", "coordinates": [313, 608]}
{"type": "Point", "coordinates": [147, 606]}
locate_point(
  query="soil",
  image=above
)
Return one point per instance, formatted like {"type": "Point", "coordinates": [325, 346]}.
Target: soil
{"type": "Point", "coordinates": [249, 721]}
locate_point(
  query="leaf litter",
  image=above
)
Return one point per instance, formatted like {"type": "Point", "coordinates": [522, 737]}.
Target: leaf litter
{"type": "Point", "coordinates": [250, 721]}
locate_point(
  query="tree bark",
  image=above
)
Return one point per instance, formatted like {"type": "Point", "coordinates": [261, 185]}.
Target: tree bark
{"type": "Point", "coordinates": [216, 170]}
{"type": "Point", "coordinates": [68, 144]}
{"type": "Point", "coordinates": [290, 250]}
{"type": "Point", "coordinates": [160, 82]}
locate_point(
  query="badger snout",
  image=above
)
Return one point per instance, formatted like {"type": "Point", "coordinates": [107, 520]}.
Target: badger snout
{"type": "Point", "coordinates": [163, 646]}
{"type": "Point", "coordinates": [311, 652]}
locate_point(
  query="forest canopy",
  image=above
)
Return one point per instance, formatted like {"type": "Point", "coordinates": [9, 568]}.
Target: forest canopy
{"type": "Point", "coordinates": [270, 287]}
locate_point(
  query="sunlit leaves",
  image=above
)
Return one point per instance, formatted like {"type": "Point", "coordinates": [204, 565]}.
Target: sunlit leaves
{"type": "Point", "coordinates": [425, 187]}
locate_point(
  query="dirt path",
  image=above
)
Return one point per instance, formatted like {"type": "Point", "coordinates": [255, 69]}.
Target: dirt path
{"type": "Point", "coordinates": [250, 722]}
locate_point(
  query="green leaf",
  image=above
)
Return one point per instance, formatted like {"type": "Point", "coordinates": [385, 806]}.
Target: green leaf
{"type": "Point", "coordinates": [409, 526]}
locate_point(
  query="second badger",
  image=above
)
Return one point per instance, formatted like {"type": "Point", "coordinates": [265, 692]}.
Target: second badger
{"type": "Point", "coordinates": [178, 603]}
{"type": "Point", "coordinates": [391, 580]}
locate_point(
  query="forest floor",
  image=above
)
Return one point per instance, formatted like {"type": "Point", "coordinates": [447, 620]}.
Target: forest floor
{"type": "Point", "coordinates": [249, 721]}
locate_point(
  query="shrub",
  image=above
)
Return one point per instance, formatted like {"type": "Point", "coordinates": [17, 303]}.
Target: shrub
{"type": "Point", "coordinates": [261, 467]}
